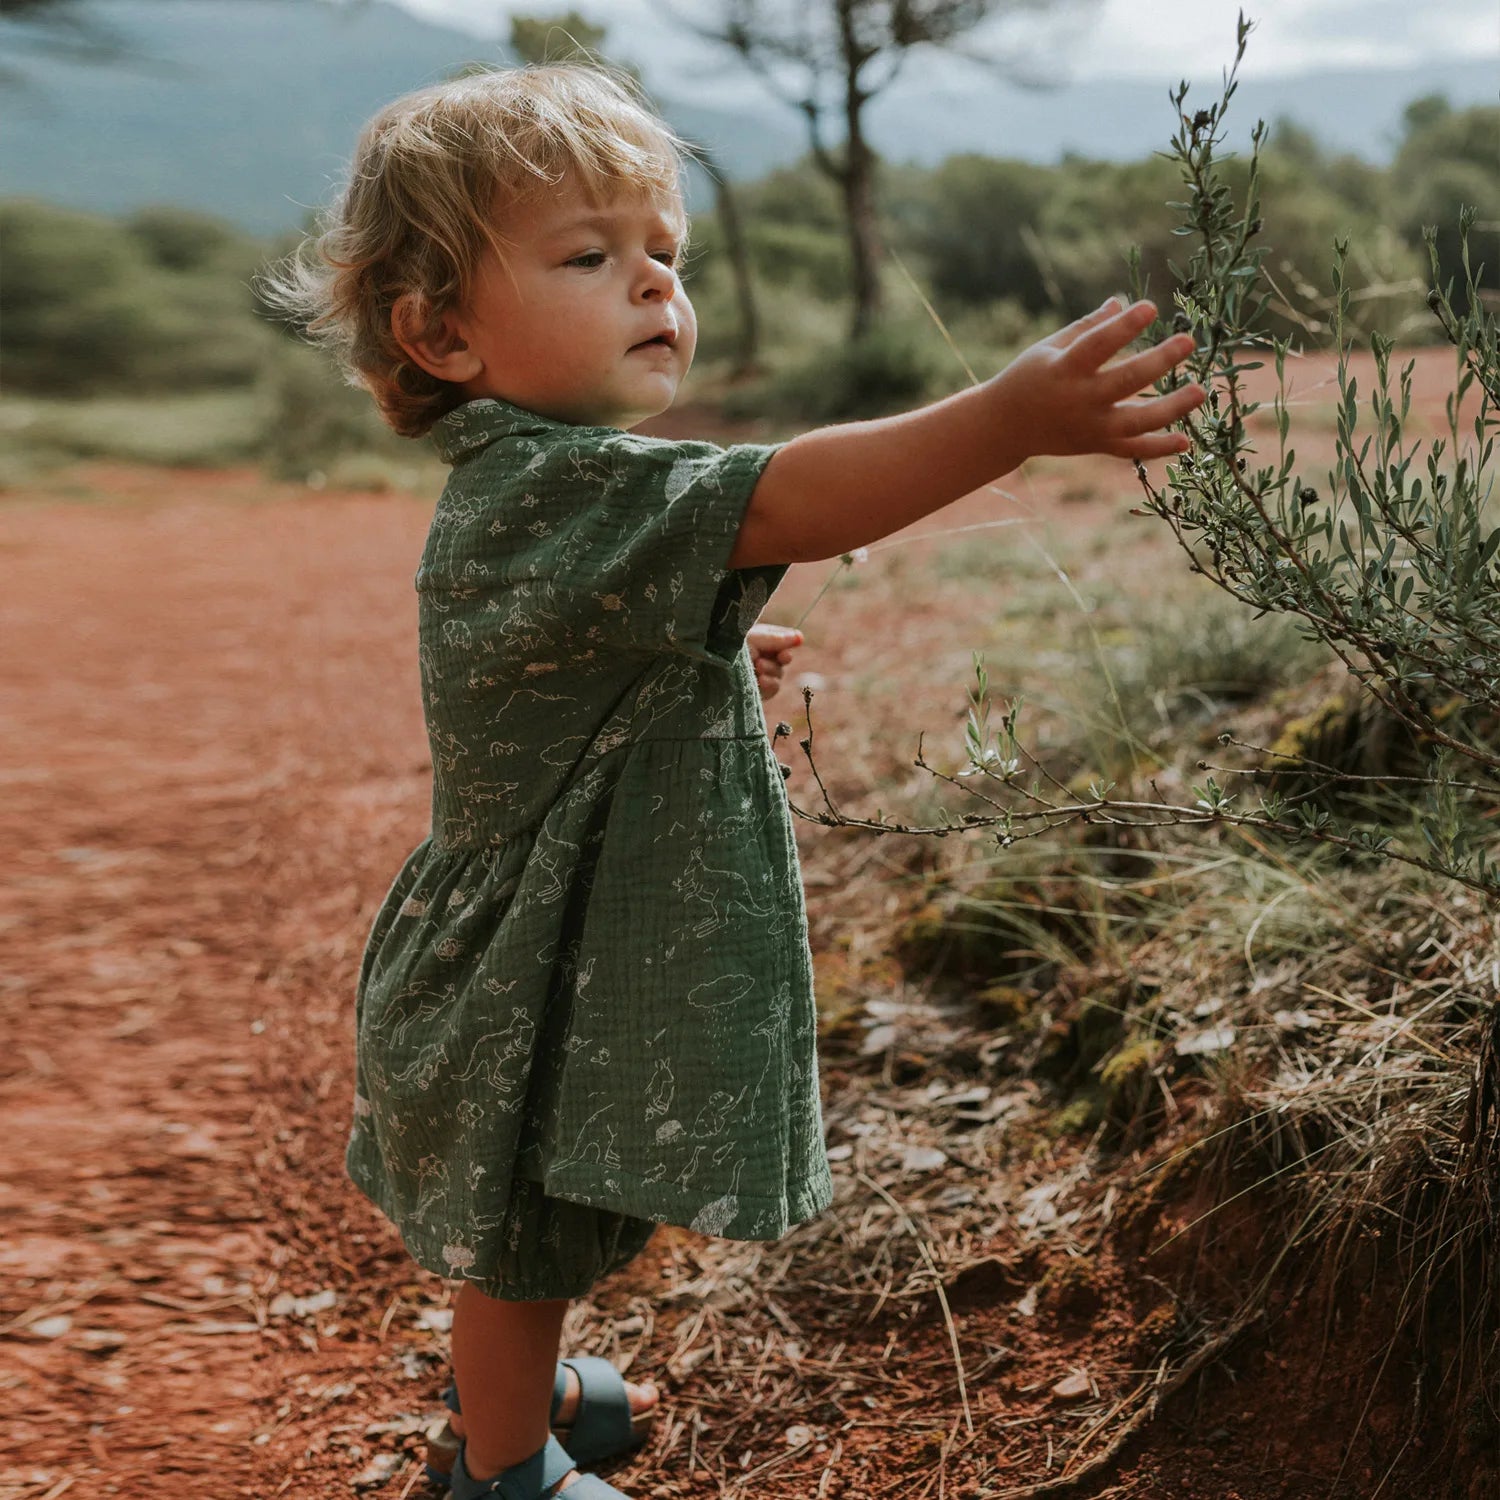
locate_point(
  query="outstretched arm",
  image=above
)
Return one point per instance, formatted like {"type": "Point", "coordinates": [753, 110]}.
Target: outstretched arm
{"type": "Point", "coordinates": [838, 488]}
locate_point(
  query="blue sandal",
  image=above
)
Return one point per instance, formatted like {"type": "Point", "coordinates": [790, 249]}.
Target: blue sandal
{"type": "Point", "coordinates": [534, 1478]}
{"type": "Point", "coordinates": [603, 1426]}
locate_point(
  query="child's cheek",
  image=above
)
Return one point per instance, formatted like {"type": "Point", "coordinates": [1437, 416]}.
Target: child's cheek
{"type": "Point", "coordinates": [687, 329]}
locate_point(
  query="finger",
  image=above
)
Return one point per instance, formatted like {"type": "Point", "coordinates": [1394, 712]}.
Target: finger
{"type": "Point", "coordinates": [1141, 370]}
{"type": "Point", "coordinates": [1096, 346]}
{"type": "Point", "coordinates": [1064, 337]}
{"type": "Point", "coordinates": [1159, 445]}
{"type": "Point", "coordinates": [1131, 418]}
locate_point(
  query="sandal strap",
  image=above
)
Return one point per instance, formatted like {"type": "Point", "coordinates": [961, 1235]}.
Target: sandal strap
{"type": "Point", "coordinates": [604, 1424]}
{"type": "Point", "coordinates": [534, 1478]}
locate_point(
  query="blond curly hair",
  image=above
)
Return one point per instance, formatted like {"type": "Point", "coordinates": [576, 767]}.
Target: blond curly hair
{"type": "Point", "coordinates": [432, 177]}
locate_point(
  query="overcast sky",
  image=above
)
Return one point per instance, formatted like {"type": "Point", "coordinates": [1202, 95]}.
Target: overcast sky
{"type": "Point", "coordinates": [1165, 39]}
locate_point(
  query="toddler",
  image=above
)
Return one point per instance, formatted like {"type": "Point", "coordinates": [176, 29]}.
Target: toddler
{"type": "Point", "coordinates": [586, 1004]}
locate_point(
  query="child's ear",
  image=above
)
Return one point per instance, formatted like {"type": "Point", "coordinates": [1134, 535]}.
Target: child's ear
{"type": "Point", "coordinates": [436, 346]}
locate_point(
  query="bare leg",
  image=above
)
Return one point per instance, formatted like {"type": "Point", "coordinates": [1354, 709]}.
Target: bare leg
{"type": "Point", "coordinates": [642, 1397]}
{"type": "Point", "coordinates": [504, 1355]}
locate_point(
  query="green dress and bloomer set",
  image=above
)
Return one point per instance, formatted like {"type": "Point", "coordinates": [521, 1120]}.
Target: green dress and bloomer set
{"type": "Point", "coordinates": [586, 1005]}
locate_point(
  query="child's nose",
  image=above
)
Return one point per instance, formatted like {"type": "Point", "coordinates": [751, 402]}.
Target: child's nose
{"type": "Point", "coordinates": [657, 281]}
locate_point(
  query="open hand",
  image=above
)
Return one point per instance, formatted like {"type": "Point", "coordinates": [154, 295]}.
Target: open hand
{"type": "Point", "coordinates": [1059, 397]}
{"type": "Point", "coordinates": [770, 650]}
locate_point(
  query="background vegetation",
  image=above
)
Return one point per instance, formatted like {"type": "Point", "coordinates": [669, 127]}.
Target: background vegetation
{"type": "Point", "coordinates": [142, 337]}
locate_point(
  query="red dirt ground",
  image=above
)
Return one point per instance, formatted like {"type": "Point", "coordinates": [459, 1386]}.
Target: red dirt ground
{"type": "Point", "coordinates": [216, 763]}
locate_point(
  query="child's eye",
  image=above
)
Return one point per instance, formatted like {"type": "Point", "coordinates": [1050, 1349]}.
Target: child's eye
{"type": "Point", "coordinates": [591, 257]}
{"type": "Point", "coordinates": [667, 257]}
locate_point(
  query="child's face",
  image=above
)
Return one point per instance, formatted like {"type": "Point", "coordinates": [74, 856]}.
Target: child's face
{"type": "Point", "coordinates": [564, 326]}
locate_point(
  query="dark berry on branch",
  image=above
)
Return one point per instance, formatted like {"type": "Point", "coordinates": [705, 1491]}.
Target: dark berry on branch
{"type": "Point", "coordinates": [1434, 301]}
{"type": "Point", "coordinates": [1181, 323]}
{"type": "Point", "coordinates": [1307, 495]}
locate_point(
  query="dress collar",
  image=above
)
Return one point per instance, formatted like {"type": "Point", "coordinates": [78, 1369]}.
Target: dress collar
{"type": "Point", "coordinates": [476, 424]}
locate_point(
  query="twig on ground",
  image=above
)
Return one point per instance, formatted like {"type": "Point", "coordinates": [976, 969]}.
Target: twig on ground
{"type": "Point", "coordinates": [1160, 1387]}
{"type": "Point", "coordinates": [937, 1281]}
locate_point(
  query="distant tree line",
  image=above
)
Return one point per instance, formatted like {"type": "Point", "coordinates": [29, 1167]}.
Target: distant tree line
{"type": "Point", "coordinates": [158, 300]}
{"type": "Point", "coordinates": [162, 299]}
{"type": "Point", "coordinates": [1052, 237]}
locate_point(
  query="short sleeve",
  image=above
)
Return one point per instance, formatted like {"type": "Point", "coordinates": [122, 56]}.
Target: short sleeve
{"type": "Point", "coordinates": [648, 568]}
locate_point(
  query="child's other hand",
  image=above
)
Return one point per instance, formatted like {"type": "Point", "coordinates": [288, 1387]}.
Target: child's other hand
{"type": "Point", "coordinates": [1055, 397]}
{"type": "Point", "coordinates": [770, 650]}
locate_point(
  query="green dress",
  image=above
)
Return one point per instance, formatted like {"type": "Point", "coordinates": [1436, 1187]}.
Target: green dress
{"type": "Point", "coordinates": [591, 984]}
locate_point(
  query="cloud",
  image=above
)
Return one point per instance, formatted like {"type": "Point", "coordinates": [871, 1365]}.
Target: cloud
{"type": "Point", "coordinates": [1167, 39]}
{"type": "Point", "coordinates": [1196, 38]}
